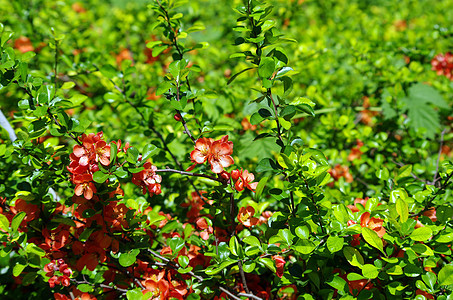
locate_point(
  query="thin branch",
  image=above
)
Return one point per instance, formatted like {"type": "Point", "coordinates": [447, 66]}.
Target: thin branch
{"type": "Point", "coordinates": [241, 272]}
{"type": "Point", "coordinates": [412, 174]}
{"type": "Point", "coordinates": [201, 279]}
{"type": "Point", "coordinates": [190, 174]}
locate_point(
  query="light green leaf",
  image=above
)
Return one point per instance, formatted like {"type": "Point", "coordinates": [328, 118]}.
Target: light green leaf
{"type": "Point", "coordinates": [372, 238]}
{"type": "Point", "coordinates": [335, 243]}
{"type": "Point", "coordinates": [353, 256]}
{"type": "Point", "coordinates": [370, 271]}
{"type": "Point", "coordinates": [128, 259]}
{"type": "Point", "coordinates": [15, 223]}
{"type": "Point", "coordinates": [402, 209]}
{"type": "Point", "coordinates": [266, 67]}
{"type": "Point", "coordinates": [421, 234]}
{"type": "Point", "coordinates": [446, 275]}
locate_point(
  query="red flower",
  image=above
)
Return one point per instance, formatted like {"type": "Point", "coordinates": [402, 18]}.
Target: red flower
{"type": "Point", "coordinates": [279, 264]}
{"type": "Point", "coordinates": [84, 186]}
{"type": "Point", "coordinates": [243, 178]}
{"type": "Point", "coordinates": [148, 179]}
{"type": "Point", "coordinates": [102, 151]}
{"type": "Point", "coordinates": [246, 216]}
{"type": "Point", "coordinates": [221, 155]}
{"type": "Point", "coordinates": [202, 150]}
{"type": "Point", "coordinates": [23, 44]}
{"type": "Point", "coordinates": [217, 153]}
{"type": "Point", "coordinates": [373, 223]}
{"type": "Point", "coordinates": [443, 65]}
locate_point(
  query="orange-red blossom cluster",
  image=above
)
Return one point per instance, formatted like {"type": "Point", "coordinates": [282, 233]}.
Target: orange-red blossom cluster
{"type": "Point", "coordinates": [84, 163]}
{"type": "Point", "coordinates": [218, 155]}
{"type": "Point", "coordinates": [443, 65]}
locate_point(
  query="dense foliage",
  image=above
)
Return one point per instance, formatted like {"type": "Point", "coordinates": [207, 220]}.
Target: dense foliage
{"type": "Point", "coordinates": [226, 149]}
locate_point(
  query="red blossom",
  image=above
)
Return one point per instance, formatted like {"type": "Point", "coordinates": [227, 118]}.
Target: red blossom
{"type": "Point", "coordinates": [202, 150]}
{"type": "Point", "coordinates": [102, 151]}
{"type": "Point", "coordinates": [375, 224]}
{"type": "Point", "coordinates": [147, 179]}
{"type": "Point", "coordinates": [23, 44]}
{"type": "Point", "coordinates": [217, 153]}
{"type": "Point", "coordinates": [279, 264]}
{"type": "Point", "coordinates": [246, 216]}
{"type": "Point", "coordinates": [443, 65]}
{"type": "Point", "coordinates": [243, 179]}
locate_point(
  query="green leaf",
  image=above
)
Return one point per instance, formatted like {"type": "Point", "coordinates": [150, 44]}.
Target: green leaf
{"type": "Point", "coordinates": [249, 266]}
{"type": "Point", "coordinates": [269, 263]}
{"type": "Point", "coordinates": [129, 258]}
{"type": "Point", "coordinates": [17, 270]}
{"type": "Point", "coordinates": [32, 248]}
{"type": "Point", "coordinates": [404, 171]}
{"type": "Point", "coordinates": [237, 74]}
{"type": "Point", "coordinates": [424, 93]}
{"type": "Point", "coordinates": [149, 151]}
{"type": "Point", "coordinates": [318, 156]}
{"type": "Point", "coordinates": [132, 155]}
{"type": "Point", "coordinates": [235, 247]}
{"type": "Point", "coordinates": [100, 177]}
{"type": "Point", "coordinates": [372, 238]}
{"type": "Point", "coordinates": [266, 67]}
{"type": "Point", "coordinates": [4, 222]}
{"type": "Point", "coordinates": [212, 270]}
{"type": "Point", "coordinates": [353, 256]}
{"type": "Point", "coordinates": [163, 88]}
{"type": "Point", "coordinates": [85, 288]}
{"type": "Point", "coordinates": [422, 249]}
{"type": "Point", "coordinates": [113, 152]}
{"type": "Point", "coordinates": [15, 223]}
{"type": "Point", "coordinates": [430, 279]}
{"type": "Point", "coordinates": [420, 113]}
{"type": "Point", "coordinates": [183, 261]}
{"type": "Point", "coordinates": [383, 173]}
{"type": "Point", "coordinates": [446, 275]}
{"type": "Point", "coordinates": [109, 71]}
{"type": "Point", "coordinates": [421, 234]}
{"type": "Point", "coordinates": [370, 271]}
{"type": "Point", "coordinates": [252, 240]}
{"type": "Point", "coordinates": [176, 244]}
{"type": "Point", "coordinates": [338, 283]}
{"type": "Point", "coordinates": [335, 243]}
{"type": "Point", "coordinates": [135, 294]}
{"type": "Point", "coordinates": [302, 232]}
{"type": "Point", "coordinates": [6, 35]}
{"type": "Point", "coordinates": [67, 85]}
{"type": "Point", "coordinates": [260, 187]}
{"type": "Point", "coordinates": [304, 246]}
{"type": "Point", "coordinates": [402, 209]}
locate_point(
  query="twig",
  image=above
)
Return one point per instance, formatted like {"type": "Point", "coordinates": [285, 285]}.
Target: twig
{"type": "Point", "coordinates": [241, 272]}
{"type": "Point", "coordinates": [201, 279]}
{"type": "Point", "coordinates": [190, 174]}
{"type": "Point", "coordinates": [412, 174]}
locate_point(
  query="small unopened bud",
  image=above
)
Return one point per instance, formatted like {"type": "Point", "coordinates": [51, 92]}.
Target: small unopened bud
{"type": "Point", "coordinates": [178, 117]}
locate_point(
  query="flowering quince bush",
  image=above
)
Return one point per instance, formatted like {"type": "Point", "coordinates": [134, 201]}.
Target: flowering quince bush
{"type": "Point", "coordinates": [165, 151]}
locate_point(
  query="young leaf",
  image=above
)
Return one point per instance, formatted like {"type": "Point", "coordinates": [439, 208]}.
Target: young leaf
{"type": "Point", "coordinates": [372, 238]}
